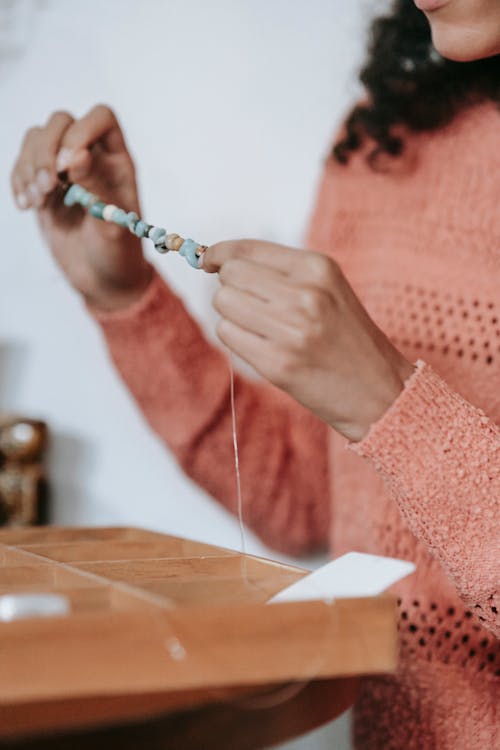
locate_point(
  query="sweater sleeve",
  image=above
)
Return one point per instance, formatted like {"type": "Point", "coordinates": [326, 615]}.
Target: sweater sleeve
{"type": "Point", "coordinates": [440, 457]}
{"type": "Point", "coordinates": [181, 383]}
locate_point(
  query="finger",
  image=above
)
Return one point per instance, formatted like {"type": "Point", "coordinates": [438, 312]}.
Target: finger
{"type": "Point", "coordinates": [34, 174]}
{"type": "Point", "coordinates": [254, 350]}
{"type": "Point", "coordinates": [81, 165]}
{"type": "Point", "coordinates": [254, 315]}
{"type": "Point", "coordinates": [18, 186]}
{"type": "Point", "coordinates": [45, 149]}
{"type": "Point", "coordinates": [316, 271]}
{"type": "Point", "coordinates": [265, 253]}
{"type": "Point", "coordinates": [262, 281]}
{"type": "Point", "coordinates": [266, 284]}
{"type": "Point", "coordinates": [300, 267]}
{"type": "Point", "coordinates": [23, 173]}
{"type": "Point", "coordinates": [98, 126]}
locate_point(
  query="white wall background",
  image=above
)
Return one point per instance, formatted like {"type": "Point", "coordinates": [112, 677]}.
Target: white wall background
{"type": "Point", "coordinates": [228, 107]}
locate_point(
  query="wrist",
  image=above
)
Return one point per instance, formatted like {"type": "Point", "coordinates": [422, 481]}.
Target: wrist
{"type": "Point", "coordinates": [112, 297]}
{"type": "Point", "coordinates": [383, 393]}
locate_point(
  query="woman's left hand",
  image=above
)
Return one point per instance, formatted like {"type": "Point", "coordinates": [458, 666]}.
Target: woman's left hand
{"type": "Point", "coordinates": [293, 316]}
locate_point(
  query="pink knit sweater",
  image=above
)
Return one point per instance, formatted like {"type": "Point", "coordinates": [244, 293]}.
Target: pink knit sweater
{"type": "Point", "coordinates": [420, 244]}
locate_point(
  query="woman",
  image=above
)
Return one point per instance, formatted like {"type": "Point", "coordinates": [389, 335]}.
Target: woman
{"type": "Point", "coordinates": [408, 228]}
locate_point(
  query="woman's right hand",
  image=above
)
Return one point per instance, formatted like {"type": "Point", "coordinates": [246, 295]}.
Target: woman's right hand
{"type": "Point", "coordinates": [102, 261]}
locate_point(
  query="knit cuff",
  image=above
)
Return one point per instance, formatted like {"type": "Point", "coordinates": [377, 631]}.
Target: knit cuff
{"type": "Point", "coordinates": [419, 426]}
{"type": "Point", "coordinates": [402, 417]}
{"type": "Point", "coordinates": [426, 432]}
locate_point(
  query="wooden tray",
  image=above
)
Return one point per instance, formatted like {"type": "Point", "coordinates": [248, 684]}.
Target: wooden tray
{"type": "Point", "coordinates": [160, 622]}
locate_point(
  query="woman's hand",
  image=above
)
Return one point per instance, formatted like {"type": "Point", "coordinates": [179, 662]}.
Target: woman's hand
{"type": "Point", "coordinates": [102, 261]}
{"type": "Point", "coordinates": [292, 315]}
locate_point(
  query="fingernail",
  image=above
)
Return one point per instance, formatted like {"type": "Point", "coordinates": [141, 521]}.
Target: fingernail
{"type": "Point", "coordinates": [22, 200]}
{"type": "Point", "coordinates": [44, 180]}
{"type": "Point", "coordinates": [64, 158]}
{"type": "Point", "coordinates": [34, 194]}
{"type": "Point", "coordinates": [201, 260]}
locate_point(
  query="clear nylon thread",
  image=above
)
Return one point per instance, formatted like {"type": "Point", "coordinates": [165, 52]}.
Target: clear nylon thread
{"type": "Point", "coordinates": [237, 470]}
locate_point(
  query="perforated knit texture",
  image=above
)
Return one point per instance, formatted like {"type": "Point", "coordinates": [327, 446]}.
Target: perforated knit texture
{"type": "Point", "coordinates": [447, 634]}
{"type": "Point", "coordinates": [453, 325]}
{"type": "Point", "coordinates": [421, 247]}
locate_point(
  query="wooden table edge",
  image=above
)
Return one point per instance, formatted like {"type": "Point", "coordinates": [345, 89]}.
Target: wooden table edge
{"type": "Point", "coordinates": [262, 715]}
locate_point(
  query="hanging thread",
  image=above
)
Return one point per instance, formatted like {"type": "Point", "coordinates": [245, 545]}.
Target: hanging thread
{"type": "Point", "coordinates": [237, 471]}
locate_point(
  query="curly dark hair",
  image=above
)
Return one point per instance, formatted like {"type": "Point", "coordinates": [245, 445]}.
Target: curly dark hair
{"type": "Point", "coordinates": [409, 84]}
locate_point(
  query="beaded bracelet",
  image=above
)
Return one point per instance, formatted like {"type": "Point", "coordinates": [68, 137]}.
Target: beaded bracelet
{"type": "Point", "coordinates": [163, 242]}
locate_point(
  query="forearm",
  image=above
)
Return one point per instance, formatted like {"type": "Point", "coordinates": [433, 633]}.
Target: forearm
{"type": "Point", "coordinates": [181, 383]}
{"type": "Point", "coordinates": [440, 457]}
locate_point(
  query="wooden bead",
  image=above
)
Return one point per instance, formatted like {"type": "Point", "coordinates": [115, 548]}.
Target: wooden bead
{"type": "Point", "coordinates": [174, 242]}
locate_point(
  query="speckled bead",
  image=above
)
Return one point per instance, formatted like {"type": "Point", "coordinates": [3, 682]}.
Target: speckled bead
{"type": "Point", "coordinates": [141, 228]}
{"type": "Point", "coordinates": [119, 217]}
{"type": "Point", "coordinates": [157, 234]}
{"type": "Point", "coordinates": [188, 250]}
{"type": "Point", "coordinates": [161, 248]}
{"type": "Point", "coordinates": [132, 220]}
{"type": "Point", "coordinates": [97, 209]}
{"type": "Point", "coordinates": [174, 241]}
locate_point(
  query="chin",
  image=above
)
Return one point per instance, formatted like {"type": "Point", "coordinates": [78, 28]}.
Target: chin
{"type": "Point", "coordinates": [464, 45]}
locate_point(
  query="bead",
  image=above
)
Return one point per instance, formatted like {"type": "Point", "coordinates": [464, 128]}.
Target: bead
{"type": "Point", "coordinates": [157, 234]}
{"type": "Point", "coordinates": [163, 242]}
{"type": "Point", "coordinates": [161, 248]}
{"type": "Point", "coordinates": [108, 212]}
{"type": "Point", "coordinates": [188, 249]}
{"type": "Point", "coordinates": [132, 220]}
{"type": "Point", "coordinates": [72, 195]}
{"type": "Point", "coordinates": [119, 216]}
{"type": "Point", "coordinates": [88, 199]}
{"type": "Point", "coordinates": [174, 241]}
{"type": "Point", "coordinates": [141, 228]}
{"type": "Point", "coordinates": [83, 198]}
{"type": "Point", "coordinates": [80, 193]}
{"type": "Point", "coordinates": [97, 209]}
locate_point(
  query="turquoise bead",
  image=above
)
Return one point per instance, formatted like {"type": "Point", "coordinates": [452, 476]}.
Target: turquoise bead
{"type": "Point", "coordinates": [188, 250]}
{"type": "Point", "coordinates": [88, 199]}
{"type": "Point", "coordinates": [120, 217]}
{"type": "Point", "coordinates": [96, 209]}
{"type": "Point", "coordinates": [157, 234]}
{"type": "Point", "coordinates": [72, 195]}
{"type": "Point", "coordinates": [80, 193]}
{"type": "Point", "coordinates": [132, 220]}
{"type": "Point", "coordinates": [141, 228]}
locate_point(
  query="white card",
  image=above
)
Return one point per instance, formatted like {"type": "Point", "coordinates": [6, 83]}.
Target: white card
{"type": "Point", "coordinates": [355, 574]}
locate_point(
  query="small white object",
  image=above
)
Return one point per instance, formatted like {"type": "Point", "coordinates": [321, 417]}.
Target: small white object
{"type": "Point", "coordinates": [175, 649]}
{"type": "Point", "coordinates": [355, 574]}
{"type": "Point", "coordinates": [22, 606]}
{"type": "Point", "coordinates": [107, 212]}
{"type": "Point", "coordinates": [22, 432]}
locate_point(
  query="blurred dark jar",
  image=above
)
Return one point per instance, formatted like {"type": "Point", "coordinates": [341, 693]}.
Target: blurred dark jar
{"type": "Point", "coordinates": [23, 483]}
